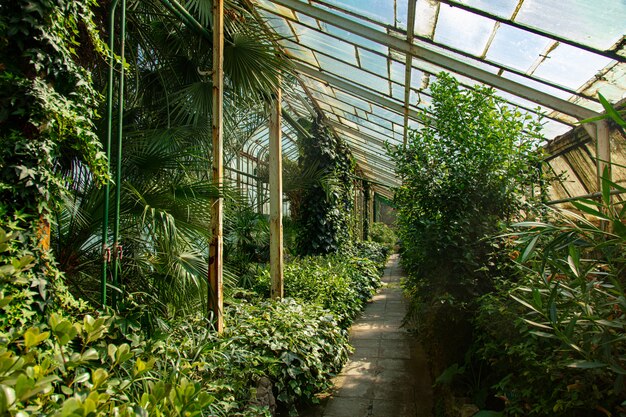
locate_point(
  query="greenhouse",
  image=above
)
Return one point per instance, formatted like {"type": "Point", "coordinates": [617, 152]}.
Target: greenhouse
{"type": "Point", "coordinates": [316, 208]}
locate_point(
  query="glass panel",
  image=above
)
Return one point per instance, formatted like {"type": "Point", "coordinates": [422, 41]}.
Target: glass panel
{"type": "Point", "coordinates": [516, 48]}
{"type": "Point", "coordinates": [354, 39]}
{"type": "Point", "coordinates": [332, 117]}
{"type": "Point", "coordinates": [378, 10]}
{"type": "Point", "coordinates": [372, 62]}
{"type": "Point", "coordinates": [463, 30]}
{"type": "Point", "coordinates": [355, 101]}
{"type": "Point", "coordinates": [324, 43]}
{"type": "Point", "coordinates": [297, 51]}
{"type": "Point", "coordinates": [344, 121]}
{"type": "Point", "coordinates": [591, 105]}
{"type": "Point", "coordinates": [279, 24]}
{"type": "Point", "coordinates": [356, 75]}
{"type": "Point", "coordinates": [425, 18]}
{"type": "Point", "coordinates": [339, 104]}
{"type": "Point", "coordinates": [570, 66]}
{"type": "Point", "coordinates": [612, 85]}
{"type": "Point", "coordinates": [275, 8]}
{"type": "Point", "coordinates": [502, 8]}
{"type": "Point", "coordinates": [307, 20]}
{"type": "Point", "coordinates": [379, 120]}
{"type": "Point", "coordinates": [318, 86]}
{"type": "Point", "coordinates": [397, 92]}
{"type": "Point", "coordinates": [397, 72]}
{"type": "Point", "coordinates": [599, 23]}
{"type": "Point", "coordinates": [552, 129]}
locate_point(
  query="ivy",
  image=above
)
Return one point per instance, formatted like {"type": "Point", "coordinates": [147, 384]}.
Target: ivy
{"type": "Point", "coordinates": [47, 112]}
{"type": "Point", "coordinates": [323, 214]}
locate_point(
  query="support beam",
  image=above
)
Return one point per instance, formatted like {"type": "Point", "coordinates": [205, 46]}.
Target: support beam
{"type": "Point", "coordinates": [276, 199]}
{"type": "Point", "coordinates": [216, 246]}
{"type": "Point", "coordinates": [603, 150]}
{"type": "Point", "coordinates": [353, 89]}
{"type": "Point", "coordinates": [408, 69]}
{"type": "Point", "coordinates": [440, 60]}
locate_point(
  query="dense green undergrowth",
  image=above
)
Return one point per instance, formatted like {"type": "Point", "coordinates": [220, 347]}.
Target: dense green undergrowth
{"type": "Point", "coordinates": [58, 364]}
{"type": "Point", "coordinates": [338, 283]}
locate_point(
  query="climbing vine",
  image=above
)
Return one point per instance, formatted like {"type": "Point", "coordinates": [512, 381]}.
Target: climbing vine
{"type": "Point", "coordinates": [47, 113]}
{"type": "Point", "coordinates": [324, 211]}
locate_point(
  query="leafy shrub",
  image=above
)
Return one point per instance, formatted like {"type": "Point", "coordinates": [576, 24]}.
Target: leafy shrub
{"type": "Point", "coordinates": [102, 365]}
{"type": "Point", "coordinates": [338, 284]}
{"type": "Point", "coordinates": [463, 175]}
{"type": "Point", "coordinates": [572, 302]}
{"type": "Point", "coordinates": [376, 252]}
{"type": "Point", "coordinates": [301, 342]}
{"type": "Point", "coordinates": [383, 234]}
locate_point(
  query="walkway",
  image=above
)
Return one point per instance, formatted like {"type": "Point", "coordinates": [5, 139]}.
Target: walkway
{"type": "Point", "coordinates": [387, 375]}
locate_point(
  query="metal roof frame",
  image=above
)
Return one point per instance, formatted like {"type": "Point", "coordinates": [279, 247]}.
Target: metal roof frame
{"type": "Point", "coordinates": [330, 44]}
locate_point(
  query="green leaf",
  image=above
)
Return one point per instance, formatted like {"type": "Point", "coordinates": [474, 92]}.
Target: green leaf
{"type": "Point", "coordinates": [528, 250]}
{"type": "Point", "coordinates": [537, 298]}
{"type": "Point", "coordinates": [586, 365]}
{"type": "Point", "coordinates": [611, 112]}
{"type": "Point", "coordinates": [543, 334]}
{"type": "Point", "coordinates": [34, 337]}
{"type": "Point", "coordinates": [586, 209]}
{"type": "Point", "coordinates": [523, 302]}
{"type": "Point", "coordinates": [7, 398]}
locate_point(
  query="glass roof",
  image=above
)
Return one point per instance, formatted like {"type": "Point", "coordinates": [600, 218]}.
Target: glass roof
{"type": "Point", "coordinates": [367, 65]}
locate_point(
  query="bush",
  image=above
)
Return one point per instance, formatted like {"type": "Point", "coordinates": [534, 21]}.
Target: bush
{"type": "Point", "coordinates": [572, 303]}
{"type": "Point", "coordinates": [464, 174]}
{"type": "Point", "coordinates": [302, 344]}
{"type": "Point", "coordinates": [383, 234]}
{"type": "Point", "coordinates": [103, 365]}
{"type": "Point", "coordinates": [338, 284]}
{"type": "Point", "coordinates": [376, 252]}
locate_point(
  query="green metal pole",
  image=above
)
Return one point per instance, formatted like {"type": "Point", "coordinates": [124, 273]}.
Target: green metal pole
{"type": "Point", "coordinates": [117, 249]}
{"type": "Point", "coordinates": [106, 253]}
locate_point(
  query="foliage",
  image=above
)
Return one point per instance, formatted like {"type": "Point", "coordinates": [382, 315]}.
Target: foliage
{"type": "Point", "coordinates": [102, 366]}
{"type": "Point", "coordinates": [383, 234]}
{"type": "Point", "coordinates": [323, 211]}
{"type": "Point", "coordinates": [166, 191]}
{"type": "Point", "coordinates": [305, 345]}
{"type": "Point", "coordinates": [468, 171]}
{"type": "Point", "coordinates": [47, 112]}
{"type": "Point", "coordinates": [339, 284]}
{"type": "Point", "coordinates": [572, 301]}
{"type": "Point", "coordinates": [566, 299]}
{"type": "Point", "coordinates": [462, 173]}
{"type": "Point", "coordinates": [246, 240]}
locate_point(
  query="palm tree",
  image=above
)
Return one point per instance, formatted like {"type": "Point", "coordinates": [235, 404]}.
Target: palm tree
{"type": "Point", "coordinates": [166, 189]}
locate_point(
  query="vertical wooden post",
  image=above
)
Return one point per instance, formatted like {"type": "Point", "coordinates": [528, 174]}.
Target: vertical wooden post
{"type": "Point", "coordinates": [603, 150]}
{"type": "Point", "coordinates": [276, 199]}
{"type": "Point", "coordinates": [216, 296]}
